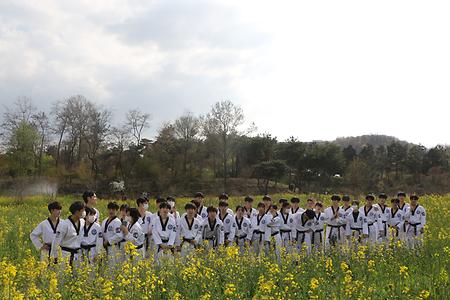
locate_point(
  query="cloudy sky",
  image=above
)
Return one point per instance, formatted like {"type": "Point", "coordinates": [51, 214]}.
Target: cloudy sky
{"type": "Point", "coordinates": [315, 70]}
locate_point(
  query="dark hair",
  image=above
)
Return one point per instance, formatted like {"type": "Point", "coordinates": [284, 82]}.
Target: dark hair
{"type": "Point", "coordinates": [239, 207]}
{"type": "Point", "coordinates": [223, 204]}
{"type": "Point", "coordinates": [260, 204]}
{"type": "Point", "coordinates": [170, 198]}
{"type": "Point", "coordinates": [319, 204]}
{"type": "Point", "coordinates": [282, 200]}
{"type": "Point", "coordinates": [223, 196]}
{"type": "Point", "coordinates": [141, 200]}
{"type": "Point", "coordinates": [76, 206]}
{"type": "Point", "coordinates": [335, 198]}
{"type": "Point", "coordinates": [267, 197]}
{"type": "Point", "coordinates": [312, 200]}
{"type": "Point", "coordinates": [274, 206]}
{"type": "Point", "coordinates": [113, 205]}
{"type": "Point", "coordinates": [134, 214]}
{"type": "Point", "coordinates": [211, 209]}
{"type": "Point", "coordinates": [189, 206]}
{"type": "Point", "coordinates": [87, 194]}
{"type": "Point", "coordinates": [196, 203]}
{"type": "Point", "coordinates": [295, 200]}
{"type": "Point", "coordinates": [248, 199]}
{"type": "Point", "coordinates": [199, 195]}
{"type": "Point", "coordinates": [355, 202]}
{"type": "Point", "coordinates": [310, 214]}
{"type": "Point", "coordinates": [165, 205]}
{"type": "Point", "coordinates": [89, 211]}
{"type": "Point", "coordinates": [160, 200]}
{"type": "Point", "coordinates": [395, 200]}
{"type": "Point", "coordinates": [346, 198]}
{"type": "Point", "coordinates": [54, 205]}
{"type": "Point", "coordinates": [285, 204]}
{"type": "Point", "coordinates": [125, 207]}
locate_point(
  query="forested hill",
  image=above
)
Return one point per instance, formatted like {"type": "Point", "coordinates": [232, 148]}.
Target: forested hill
{"type": "Point", "coordinates": [375, 140]}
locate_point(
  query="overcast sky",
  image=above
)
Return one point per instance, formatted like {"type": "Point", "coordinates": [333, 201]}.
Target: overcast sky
{"type": "Point", "coordinates": [315, 70]}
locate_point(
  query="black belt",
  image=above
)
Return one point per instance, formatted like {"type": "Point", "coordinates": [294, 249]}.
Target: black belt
{"type": "Point", "coordinates": [260, 234]}
{"type": "Point", "coordinates": [331, 230]}
{"type": "Point", "coordinates": [285, 230]}
{"type": "Point", "coordinates": [356, 228]}
{"type": "Point", "coordinates": [396, 229]}
{"type": "Point", "coordinates": [303, 236]}
{"type": "Point", "coordinates": [72, 252]}
{"type": "Point", "coordinates": [241, 237]}
{"type": "Point", "coordinates": [164, 241]}
{"type": "Point", "coordinates": [275, 233]}
{"type": "Point", "coordinates": [140, 246]}
{"type": "Point", "coordinates": [49, 249]}
{"type": "Point", "coordinates": [415, 227]}
{"type": "Point", "coordinates": [146, 241]}
{"type": "Point", "coordinates": [87, 247]}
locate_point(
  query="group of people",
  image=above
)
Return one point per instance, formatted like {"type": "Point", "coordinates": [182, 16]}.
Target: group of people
{"type": "Point", "coordinates": [259, 229]}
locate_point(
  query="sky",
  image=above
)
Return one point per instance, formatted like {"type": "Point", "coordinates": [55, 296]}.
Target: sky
{"type": "Point", "coordinates": [315, 70]}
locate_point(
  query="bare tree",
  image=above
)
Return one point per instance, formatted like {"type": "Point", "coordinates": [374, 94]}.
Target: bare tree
{"type": "Point", "coordinates": [186, 129]}
{"type": "Point", "coordinates": [137, 122]}
{"type": "Point", "coordinates": [121, 141]}
{"type": "Point", "coordinates": [42, 124]}
{"type": "Point", "coordinates": [98, 124]}
{"type": "Point", "coordinates": [224, 119]}
{"type": "Point", "coordinates": [21, 112]}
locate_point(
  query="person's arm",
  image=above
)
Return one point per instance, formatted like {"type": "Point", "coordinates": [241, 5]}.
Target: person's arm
{"type": "Point", "coordinates": [348, 230]}
{"type": "Point", "coordinates": [423, 220]}
{"type": "Point", "coordinates": [155, 235]}
{"type": "Point", "coordinates": [232, 230]}
{"type": "Point", "coordinates": [179, 232]}
{"type": "Point", "coordinates": [35, 237]}
{"type": "Point", "coordinates": [99, 241]}
{"type": "Point", "coordinates": [221, 236]}
{"type": "Point", "coordinates": [365, 226]}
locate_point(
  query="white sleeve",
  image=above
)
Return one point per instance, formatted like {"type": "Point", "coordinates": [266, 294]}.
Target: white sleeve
{"type": "Point", "coordinates": [35, 237]}
{"type": "Point", "coordinates": [172, 235]}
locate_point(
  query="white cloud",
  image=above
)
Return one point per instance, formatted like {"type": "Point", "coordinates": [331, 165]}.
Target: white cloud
{"type": "Point", "coordinates": [316, 70]}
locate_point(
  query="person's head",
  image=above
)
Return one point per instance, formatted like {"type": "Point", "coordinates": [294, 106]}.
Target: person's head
{"type": "Point", "coordinates": [212, 212]}
{"type": "Point", "coordinates": [199, 197]}
{"type": "Point", "coordinates": [355, 204]}
{"type": "Point", "coordinates": [346, 200]}
{"type": "Point", "coordinates": [240, 211]}
{"type": "Point", "coordinates": [134, 215]}
{"type": "Point", "coordinates": [310, 214]}
{"type": "Point", "coordinates": [295, 202]}
{"type": "Point", "coordinates": [164, 209]}
{"type": "Point", "coordinates": [281, 201]}
{"type": "Point", "coordinates": [335, 200]}
{"type": "Point", "coordinates": [414, 199]}
{"type": "Point", "coordinates": [285, 207]}
{"type": "Point", "coordinates": [273, 209]}
{"type": "Point", "coordinates": [77, 209]}
{"type": "Point", "coordinates": [261, 208]}
{"type": "Point", "coordinates": [160, 200]}
{"type": "Point", "coordinates": [382, 198]}
{"type": "Point", "coordinates": [142, 203]}
{"type": "Point", "coordinates": [318, 207]}
{"type": "Point", "coordinates": [223, 197]}
{"type": "Point", "coordinates": [369, 199]}
{"type": "Point", "coordinates": [401, 196]}
{"type": "Point", "coordinates": [310, 203]}
{"type": "Point", "coordinates": [395, 202]}
{"type": "Point", "coordinates": [267, 201]}
{"type": "Point", "coordinates": [196, 204]}
{"type": "Point", "coordinates": [248, 201]}
{"type": "Point", "coordinates": [171, 200]}
{"type": "Point", "coordinates": [112, 207]}
{"type": "Point", "coordinates": [123, 210]}
{"type": "Point", "coordinates": [90, 215]}
{"type": "Point", "coordinates": [191, 209]}
{"type": "Point", "coordinates": [223, 206]}
{"type": "Point", "coordinates": [55, 209]}
{"type": "Point", "coordinates": [89, 198]}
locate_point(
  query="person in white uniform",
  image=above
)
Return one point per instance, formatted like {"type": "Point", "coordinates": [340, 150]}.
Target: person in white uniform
{"type": "Point", "coordinates": [112, 235]}
{"type": "Point", "coordinates": [189, 231]}
{"type": "Point", "coordinates": [415, 218]}
{"type": "Point", "coordinates": [68, 236]}
{"type": "Point", "coordinates": [133, 233]}
{"type": "Point", "coordinates": [43, 235]}
{"type": "Point", "coordinates": [92, 240]}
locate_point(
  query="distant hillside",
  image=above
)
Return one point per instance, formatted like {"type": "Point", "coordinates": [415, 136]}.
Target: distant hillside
{"type": "Point", "coordinates": [374, 139]}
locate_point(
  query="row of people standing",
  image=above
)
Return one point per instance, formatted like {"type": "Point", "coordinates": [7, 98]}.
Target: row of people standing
{"type": "Point", "coordinates": [267, 226]}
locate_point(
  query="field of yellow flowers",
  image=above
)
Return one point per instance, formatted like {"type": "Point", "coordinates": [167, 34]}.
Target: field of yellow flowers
{"type": "Point", "coordinates": [392, 272]}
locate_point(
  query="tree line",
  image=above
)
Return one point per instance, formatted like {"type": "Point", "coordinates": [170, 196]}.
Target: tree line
{"type": "Point", "coordinates": [77, 144]}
